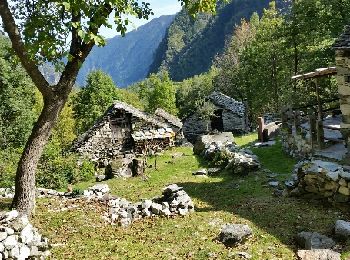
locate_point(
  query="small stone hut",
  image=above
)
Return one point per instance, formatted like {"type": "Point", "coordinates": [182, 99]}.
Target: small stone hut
{"type": "Point", "coordinates": [229, 116]}
{"type": "Point", "coordinates": [125, 131]}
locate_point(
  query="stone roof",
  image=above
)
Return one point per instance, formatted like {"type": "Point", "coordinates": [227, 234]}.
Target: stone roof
{"type": "Point", "coordinates": [164, 130]}
{"type": "Point", "coordinates": [173, 120]}
{"type": "Point", "coordinates": [343, 42]}
{"type": "Point", "coordinates": [137, 113]}
{"type": "Point", "coordinates": [221, 100]}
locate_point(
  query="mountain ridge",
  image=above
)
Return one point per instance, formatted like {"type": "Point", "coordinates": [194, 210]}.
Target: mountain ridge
{"type": "Point", "coordinates": [127, 59]}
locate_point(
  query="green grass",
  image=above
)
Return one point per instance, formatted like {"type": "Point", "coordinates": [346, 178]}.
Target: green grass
{"type": "Point", "coordinates": [82, 234]}
{"type": "Point", "coordinates": [244, 140]}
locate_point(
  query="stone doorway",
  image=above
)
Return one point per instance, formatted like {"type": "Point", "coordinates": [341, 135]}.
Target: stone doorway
{"type": "Point", "coordinates": [217, 122]}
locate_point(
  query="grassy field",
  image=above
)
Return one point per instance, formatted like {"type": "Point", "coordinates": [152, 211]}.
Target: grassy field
{"type": "Point", "coordinates": [81, 233]}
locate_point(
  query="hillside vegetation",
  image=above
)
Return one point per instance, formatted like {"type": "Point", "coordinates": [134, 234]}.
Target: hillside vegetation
{"type": "Point", "coordinates": [190, 45]}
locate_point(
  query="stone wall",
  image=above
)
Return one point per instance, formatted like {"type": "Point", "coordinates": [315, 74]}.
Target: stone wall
{"type": "Point", "coordinates": [296, 145]}
{"type": "Point", "coordinates": [195, 126]}
{"type": "Point", "coordinates": [233, 122]}
{"type": "Point", "coordinates": [320, 179]}
{"type": "Point", "coordinates": [343, 79]}
{"type": "Point", "coordinates": [120, 132]}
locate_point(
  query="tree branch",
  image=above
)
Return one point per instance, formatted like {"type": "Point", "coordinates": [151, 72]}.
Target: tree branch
{"type": "Point", "coordinates": [80, 50]}
{"type": "Point", "coordinates": [12, 30]}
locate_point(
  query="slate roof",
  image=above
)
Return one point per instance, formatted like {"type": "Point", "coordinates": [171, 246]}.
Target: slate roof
{"type": "Point", "coordinates": [137, 113]}
{"type": "Point", "coordinates": [173, 120]}
{"type": "Point", "coordinates": [163, 129]}
{"type": "Point", "coordinates": [343, 42]}
{"type": "Point", "coordinates": [221, 100]}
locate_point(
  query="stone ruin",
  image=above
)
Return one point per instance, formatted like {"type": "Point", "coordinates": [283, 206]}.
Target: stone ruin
{"type": "Point", "coordinates": [220, 149]}
{"type": "Point", "coordinates": [19, 239]}
{"type": "Point", "coordinates": [124, 135]}
{"type": "Point", "coordinates": [229, 116]}
{"type": "Point", "coordinates": [174, 201]}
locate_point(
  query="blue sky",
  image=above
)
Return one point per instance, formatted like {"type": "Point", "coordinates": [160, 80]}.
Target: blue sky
{"type": "Point", "coordinates": [159, 7]}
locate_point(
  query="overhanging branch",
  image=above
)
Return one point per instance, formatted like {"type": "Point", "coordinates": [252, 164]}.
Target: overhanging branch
{"type": "Point", "coordinates": [80, 50]}
{"type": "Point", "coordinates": [12, 30]}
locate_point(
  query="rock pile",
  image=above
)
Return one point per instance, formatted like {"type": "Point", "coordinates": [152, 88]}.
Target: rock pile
{"type": "Point", "coordinates": [19, 239]}
{"type": "Point", "coordinates": [97, 191]}
{"type": "Point", "coordinates": [222, 151]}
{"type": "Point", "coordinates": [175, 201]}
{"type": "Point", "coordinates": [314, 240]}
{"type": "Point", "coordinates": [7, 193]}
{"type": "Point", "coordinates": [321, 179]}
{"type": "Point", "coordinates": [318, 254]}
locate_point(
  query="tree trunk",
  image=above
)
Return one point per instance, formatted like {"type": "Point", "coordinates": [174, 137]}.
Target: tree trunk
{"type": "Point", "coordinates": [24, 199]}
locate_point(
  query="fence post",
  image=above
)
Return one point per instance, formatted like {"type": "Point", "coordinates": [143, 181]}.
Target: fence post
{"type": "Point", "coordinates": [297, 122]}
{"type": "Point", "coordinates": [261, 124]}
{"type": "Point", "coordinates": [320, 134]}
{"type": "Point", "coordinates": [313, 132]}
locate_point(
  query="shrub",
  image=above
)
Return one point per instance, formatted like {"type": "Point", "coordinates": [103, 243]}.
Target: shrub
{"type": "Point", "coordinates": [58, 172]}
{"type": "Point", "coordinates": [8, 164]}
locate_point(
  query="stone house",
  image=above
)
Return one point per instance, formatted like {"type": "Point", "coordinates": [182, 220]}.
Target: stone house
{"type": "Point", "coordinates": [125, 131]}
{"type": "Point", "coordinates": [229, 116]}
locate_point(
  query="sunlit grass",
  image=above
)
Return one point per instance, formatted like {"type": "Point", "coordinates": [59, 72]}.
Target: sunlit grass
{"type": "Point", "coordinates": [82, 233]}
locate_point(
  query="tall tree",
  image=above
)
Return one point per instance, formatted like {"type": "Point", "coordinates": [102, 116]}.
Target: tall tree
{"type": "Point", "coordinates": [161, 93]}
{"type": "Point", "coordinates": [49, 31]}
{"type": "Point", "coordinates": [93, 99]}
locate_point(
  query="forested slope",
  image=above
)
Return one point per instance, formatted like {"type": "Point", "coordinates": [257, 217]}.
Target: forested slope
{"type": "Point", "coordinates": [190, 45]}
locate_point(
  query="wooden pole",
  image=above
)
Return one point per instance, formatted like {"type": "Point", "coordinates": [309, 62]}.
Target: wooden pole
{"type": "Point", "coordinates": [261, 124]}
{"type": "Point", "coordinates": [319, 123]}
{"type": "Point", "coordinates": [312, 123]}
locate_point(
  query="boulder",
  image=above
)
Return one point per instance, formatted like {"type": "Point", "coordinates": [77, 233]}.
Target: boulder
{"type": "Point", "coordinates": [121, 167]}
{"type": "Point", "coordinates": [205, 140]}
{"type": "Point", "coordinates": [342, 229]}
{"type": "Point", "coordinates": [233, 234]}
{"type": "Point", "coordinates": [201, 172]}
{"type": "Point", "coordinates": [138, 166]}
{"type": "Point", "coordinates": [100, 178]}
{"type": "Point", "coordinates": [318, 254]}
{"type": "Point", "coordinates": [314, 240]}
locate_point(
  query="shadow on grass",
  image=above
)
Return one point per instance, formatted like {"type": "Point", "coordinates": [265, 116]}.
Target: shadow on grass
{"type": "Point", "coordinates": [249, 197]}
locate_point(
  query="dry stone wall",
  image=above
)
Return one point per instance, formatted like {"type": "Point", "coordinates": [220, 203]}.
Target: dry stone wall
{"type": "Point", "coordinates": [233, 122]}
{"type": "Point", "coordinates": [320, 179]}
{"type": "Point", "coordinates": [296, 145]}
{"type": "Point", "coordinates": [19, 239]}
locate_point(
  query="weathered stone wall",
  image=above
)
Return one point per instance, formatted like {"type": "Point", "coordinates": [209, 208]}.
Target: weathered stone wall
{"type": "Point", "coordinates": [233, 122]}
{"type": "Point", "coordinates": [114, 136]}
{"type": "Point", "coordinates": [296, 145]}
{"type": "Point", "coordinates": [321, 179]}
{"type": "Point", "coordinates": [343, 79]}
{"type": "Point", "coordinates": [100, 144]}
{"type": "Point", "coordinates": [194, 126]}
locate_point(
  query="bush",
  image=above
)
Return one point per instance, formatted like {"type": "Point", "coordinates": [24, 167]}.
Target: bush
{"type": "Point", "coordinates": [58, 172]}
{"type": "Point", "coordinates": [8, 165]}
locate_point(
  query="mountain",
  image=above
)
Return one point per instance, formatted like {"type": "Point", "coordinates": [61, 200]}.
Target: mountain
{"type": "Point", "coordinates": [190, 45]}
{"type": "Point", "coordinates": [127, 59]}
